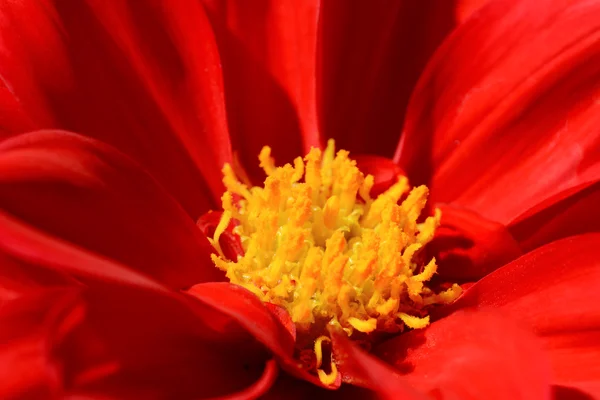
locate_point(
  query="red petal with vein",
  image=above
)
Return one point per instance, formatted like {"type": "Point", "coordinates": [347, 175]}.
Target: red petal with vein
{"type": "Point", "coordinates": [268, 50]}
{"type": "Point", "coordinates": [30, 327]}
{"type": "Point", "coordinates": [370, 57]}
{"type": "Point", "coordinates": [554, 290]}
{"type": "Point", "coordinates": [359, 368]}
{"type": "Point", "coordinates": [19, 278]}
{"type": "Point", "coordinates": [159, 347]}
{"type": "Point", "coordinates": [138, 339]}
{"type": "Point", "coordinates": [568, 393]}
{"type": "Point", "coordinates": [506, 114]}
{"type": "Point", "coordinates": [468, 246]}
{"type": "Point", "coordinates": [245, 308]}
{"type": "Point", "coordinates": [466, 8]}
{"type": "Point", "coordinates": [85, 192]}
{"type": "Point", "coordinates": [385, 172]}
{"type": "Point", "coordinates": [576, 211]}
{"type": "Point", "coordinates": [142, 76]}
{"type": "Point", "coordinates": [471, 355]}
{"type": "Point", "coordinates": [29, 246]}
{"type": "Point", "coordinates": [12, 116]}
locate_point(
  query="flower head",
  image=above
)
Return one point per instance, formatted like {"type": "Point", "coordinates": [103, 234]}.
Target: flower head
{"type": "Point", "coordinates": [317, 244]}
{"type": "Point", "coordinates": [471, 171]}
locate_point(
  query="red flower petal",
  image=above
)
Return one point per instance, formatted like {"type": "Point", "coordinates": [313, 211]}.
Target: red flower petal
{"type": "Point", "coordinates": [554, 290]}
{"type": "Point", "coordinates": [288, 387]}
{"type": "Point", "coordinates": [569, 213]}
{"type": "Point", "coordinates": [29, 329]}
{"type": "Point", "coordinates": [164, 348]}
{"type": "Point", "coordinates": [466, 8]}
{"type": "Point", "coordinates": [371, 55]}
{"type": "Point", "coordinates": [31, 247]}
{"type": "Point", "coordinates": [245, 308]}
{"type": "Point", "coordinates": [567, 393]}
{"type": "Point", "coordinates": [385, 172]}
{"type": "Point", "coordinates": [142, 76]}
{"type": "Point", "coordinates": [139, 326]}
{"type": "Point", "coordinates": [268, 52]}
{"type": "Point", "coordinates": [471, 355]}
{"type": "Point", "coordinates": [18, 277]}
{"type": "Point", "coordinates": [468, 246]}
{"type": "Point", "coordinates": [87, 193]}
{"type": "Point", "coordinates": [509, 99]}
{"type": "Point", "coordinates": [359, 368]}
{"type": "Point", "coordinates": [12, 116]}
{"type": "Point", "coordinates": [136, 339]}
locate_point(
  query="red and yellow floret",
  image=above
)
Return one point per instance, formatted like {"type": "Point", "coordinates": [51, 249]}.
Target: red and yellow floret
{"type": "Point", "coordinates": [317, 244]}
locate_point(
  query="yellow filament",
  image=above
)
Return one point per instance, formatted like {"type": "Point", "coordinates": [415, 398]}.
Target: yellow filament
{"type": "Point", "coordinates": [223, 223]}
{"type": "Point", "coordinates": [325, 378]}
{"type": "Point", "coordinates": [414, 322]}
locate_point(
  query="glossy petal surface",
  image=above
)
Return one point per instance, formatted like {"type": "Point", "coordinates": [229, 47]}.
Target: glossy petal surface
{"type": "Point", "coordinates": [245, 308]}
{"type": "Point", "coordinates": [468, 246]}
{"type": "Point", "coordinates": [554, 291]}
{"type": "Point", "coordinates": [132, 337]}
{"type": "Point", "coordinates": [471, 355]}
{"type": "Point", "coordinates": [268, 49]}
{"type": "Point", "coordinates": [359, 368]}
{"type": "Point", "coordinates": [142, 76]}
{"type": "Point", "coordinates": [506, 114]}
{"type": "Point", "coordinates": [568, 213]}
{"type": "Point", "coordinates": [86, 193]}
{"type": "Point", "coordinates": [370, 57]}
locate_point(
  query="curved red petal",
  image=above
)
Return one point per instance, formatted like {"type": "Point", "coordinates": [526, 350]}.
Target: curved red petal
{"type": "Point", "coordinates": [86, 193]}
{"type": "Point", "coordinates": [258, 389]}
{"type": "Point", "coordinates": [161, 349]}
{"type": "Point", "coordinates": [13, 118]}
{"type": "Point", "coordinates": [142, 76]}
{"type": "Point", "coordinates": [554, 290]}
{"type": "Point", "coordinates": [133, 339]}
{"type": "Point", "coordinates": [18, 278]}
{"type": "Point", "coordinates": [32, 247]}
{"type": "Point", "coordinates": [139, 322]}
{"type": "Point", "coordinates": [385, 172]}
{"type": "Point", "coordinates": [370, 57]}
{"type": "Point", "coordinates": [30, 327]}
{"type": "Point", "coordinates": [568, 393]}
{"type": "Point", "coordinates": [289, 387]}
{"type": "Point", "coordinates": [360, 368]}
{"type": "Point", "coordinates": [471, 355]}
{"type": "Point", "coordinates": [468, 246]}
{"type": "Point", "coordinates": [245, 308]}
{"type": "Point", "coordinates": [283, 317]}
{"type": "Point", "coordinates": [466, 8]}
{"type": "Point", "coordinates": [268, 52]}
{"type": "Point", "coordinates": [569, 213]}
{"type": "Point", "coordinates": [509, 98]}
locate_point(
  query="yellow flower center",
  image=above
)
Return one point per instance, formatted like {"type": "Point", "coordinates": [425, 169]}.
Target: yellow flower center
{"type": "Point", "coordinates": [318, 245]}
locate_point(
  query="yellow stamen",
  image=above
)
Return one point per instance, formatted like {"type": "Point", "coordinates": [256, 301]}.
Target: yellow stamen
{"type": "Point", "coordinates": [414, 322]}
{"type": "Point", "coordinates": [327, 379]}
{"type": "Point", "coordinates": [317, 244]}
{"type": "Point", "coordinates": [363, 326]}
{"type": "Point", "coordinates": [223, 223]}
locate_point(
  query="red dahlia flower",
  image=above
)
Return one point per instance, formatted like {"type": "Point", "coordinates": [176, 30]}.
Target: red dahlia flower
{"type": "Point", "coordinates": [107, 285]}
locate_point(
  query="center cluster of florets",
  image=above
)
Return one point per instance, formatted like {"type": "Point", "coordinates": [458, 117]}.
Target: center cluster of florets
{"type": "Point", "coordinates": [317, 244]}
